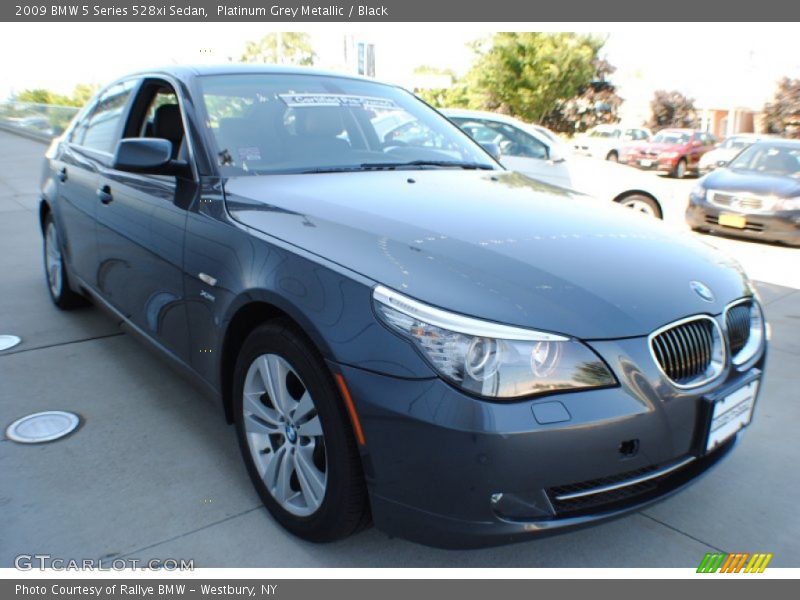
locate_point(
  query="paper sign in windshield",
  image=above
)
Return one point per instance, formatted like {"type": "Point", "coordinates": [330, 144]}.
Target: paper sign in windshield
{"type": "Point", "coordinates": [344, 100]}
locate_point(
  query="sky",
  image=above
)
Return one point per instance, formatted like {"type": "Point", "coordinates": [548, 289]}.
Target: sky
{"type": "Point", "coordinates": [720, 65]}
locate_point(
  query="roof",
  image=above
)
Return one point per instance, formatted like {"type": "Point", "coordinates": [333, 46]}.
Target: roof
{"type": "Point", "coordinates": [187, 72]}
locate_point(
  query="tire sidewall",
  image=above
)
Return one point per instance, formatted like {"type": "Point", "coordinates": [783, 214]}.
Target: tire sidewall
{"type": "Point", "coordinates": [680, 173]}
{"type": "Point", "coordinates": [281, 339]}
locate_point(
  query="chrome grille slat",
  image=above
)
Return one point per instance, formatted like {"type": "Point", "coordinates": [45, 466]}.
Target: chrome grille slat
{"type": "Point", "coordinates": [737, 321]}
{"type": "Point", "coordinates": [685, 351]}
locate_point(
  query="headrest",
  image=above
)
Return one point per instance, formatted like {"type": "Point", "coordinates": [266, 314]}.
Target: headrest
{"type": "Point", "coordinates": [167, 123]}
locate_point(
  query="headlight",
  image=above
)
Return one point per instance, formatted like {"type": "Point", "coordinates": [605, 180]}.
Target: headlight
{"type": "Point", "coordinates": [490, 359]}
{"type": "Point", "coordinates": [788, 203]}
{"type": "Point", "coordinates": [668, 155]}
{"type": "Point", "coordinates": [699, 191]}
{"type": "Point", "coordinates": [755, 337]}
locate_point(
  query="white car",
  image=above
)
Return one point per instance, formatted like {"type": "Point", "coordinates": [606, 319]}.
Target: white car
{"type": "Point", "coordinates": [727, 150]}
{"type": "Point", "coordinates": [605, 141]}
{"type": "Point", "coordinates": [524, 148]}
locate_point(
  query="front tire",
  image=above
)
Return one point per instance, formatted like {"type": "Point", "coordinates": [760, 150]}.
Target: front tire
{"type": "Point", "coordinates": [613, 156]}
{"type": "Point", "coordinates": [643, 204]}
{"type": "Point", "coordinates": [680, 169]}
{"type": "Point", "coordinates": [55, 269]}
{"type": "Point", "coordinates": [295, 436]}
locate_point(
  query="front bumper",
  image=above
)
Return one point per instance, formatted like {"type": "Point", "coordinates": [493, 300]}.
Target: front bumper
{"type": "Point", "coordinates": [651, 163]}
{"type": "Point", "coordinates": [450, 470]}
{"type": "Point", "coordinates": [783, 226]}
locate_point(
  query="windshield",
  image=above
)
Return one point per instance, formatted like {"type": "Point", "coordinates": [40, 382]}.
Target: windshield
{"type": "Point", "coordinates": [737, 143]}
{"type": "Point", "coordinates": [605, 133]}
{"type": "Point", "coordinates": [671, 137]}
{"type": "Point", "coordinates": [769, 159]}
{"type": "Point", "coordinates": [286, 123]}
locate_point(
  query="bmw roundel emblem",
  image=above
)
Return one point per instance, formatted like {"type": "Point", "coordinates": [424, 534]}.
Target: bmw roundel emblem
{"type": "Point", "coordinates": [702, 290]}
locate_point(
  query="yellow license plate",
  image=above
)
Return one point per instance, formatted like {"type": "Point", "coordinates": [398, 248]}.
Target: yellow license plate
{"type": "Point", "coordinates": [737, 221]}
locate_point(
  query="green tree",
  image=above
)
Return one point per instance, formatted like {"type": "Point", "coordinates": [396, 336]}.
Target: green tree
{"type": "Point", "coordinates": [42, 96]}
{"type": "Point", "coordinates": [526, 74]}
{"type": "Point", "coordinates": [672, 109]}
{"type": "Point", "coordinates": [782, 115]}
{"type": "Point", "coordinates": [83, 92]}
{"type": "Point", "coordinates": [295, 49]}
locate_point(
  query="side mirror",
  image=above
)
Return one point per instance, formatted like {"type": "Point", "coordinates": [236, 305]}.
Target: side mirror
{"type": "Point", "coordinates": [697, 143]}
{"type": "Point", "coordinates": [147, 155]}
{"type": "Point", "coordinates": [492, 149]}
{"type": "Point", "coordinates": [722, 163]}
{"type": "Point", "coordinates": [556, 156]}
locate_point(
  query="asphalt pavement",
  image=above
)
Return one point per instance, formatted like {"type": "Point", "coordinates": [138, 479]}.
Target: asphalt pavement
{"type": "Point", "coordinates": [154, 470]}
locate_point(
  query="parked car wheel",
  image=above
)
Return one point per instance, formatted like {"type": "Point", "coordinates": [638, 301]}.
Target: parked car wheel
{"type": "Point", "coordinates": [643, 204]}
{"type": "Point", "coordinates": [613, 156]}
{"type": "Point", "coordinates": [55, 269]}
{"type": "Point", "coordinates": [680, 169]}
{"type": "Point", "coordinates": [295, 436]}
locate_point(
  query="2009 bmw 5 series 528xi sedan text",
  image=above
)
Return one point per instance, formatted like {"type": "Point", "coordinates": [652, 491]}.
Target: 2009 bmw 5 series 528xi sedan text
{"type": "Point", "coordinates": [402, 332]}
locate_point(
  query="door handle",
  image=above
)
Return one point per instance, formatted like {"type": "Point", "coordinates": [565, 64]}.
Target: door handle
{"type": "Point", "coordinates": [62, 174]}
{"type": "Point", "coordinates": [104, 193]}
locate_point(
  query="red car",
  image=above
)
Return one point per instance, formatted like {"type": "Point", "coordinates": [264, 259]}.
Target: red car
{"type": "Point", "coordinates": [672, 151]}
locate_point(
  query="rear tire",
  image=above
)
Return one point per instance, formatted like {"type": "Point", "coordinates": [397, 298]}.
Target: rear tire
{"type": "Point", "coordinates": [612, 156]}
{"type": "Point", "coordinates": [55, 269]}
{"type": "Point", "coordinates": [295, 436]}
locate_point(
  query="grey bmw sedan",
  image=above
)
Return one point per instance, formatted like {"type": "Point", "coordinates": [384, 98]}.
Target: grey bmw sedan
{"type": "Point", "coordinates": [403, 332]}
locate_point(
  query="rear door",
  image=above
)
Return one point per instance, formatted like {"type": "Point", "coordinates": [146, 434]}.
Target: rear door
{"type": "Point", "coordinates": [86, 151]}
{"type": "Point", "coordinates": [141, 227]}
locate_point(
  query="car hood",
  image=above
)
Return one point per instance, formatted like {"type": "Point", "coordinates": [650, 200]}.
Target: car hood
{"type": "Point", "coordinates": [495, 245]}
{"type": "Point", "coordinates": [735, 180]}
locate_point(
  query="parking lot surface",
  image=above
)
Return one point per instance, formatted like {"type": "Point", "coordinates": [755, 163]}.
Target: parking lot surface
{"type": "Point", "coordinates": [154, 471]}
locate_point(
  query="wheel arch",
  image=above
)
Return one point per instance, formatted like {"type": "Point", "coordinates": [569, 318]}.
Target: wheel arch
{"type": "Point", "coordinates": [44, 210]}
{"type": "Point", "coordinates": [246, 315]}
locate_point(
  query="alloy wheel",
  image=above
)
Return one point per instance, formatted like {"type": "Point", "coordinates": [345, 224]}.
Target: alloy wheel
{"type": "Point", "coordinates": [284, 435]}
{"type": "Point", "coordinates": [639, 204]}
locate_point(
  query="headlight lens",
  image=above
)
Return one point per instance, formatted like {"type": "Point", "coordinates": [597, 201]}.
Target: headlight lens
{"type": "Point", "coordinates": [489, 359]}
{"type": "Point", "coordinates": [788, 203]}
{"type": "Point", "coordinates": [755, 338]}
{"type": "Point", "coordinates": [699, 191]}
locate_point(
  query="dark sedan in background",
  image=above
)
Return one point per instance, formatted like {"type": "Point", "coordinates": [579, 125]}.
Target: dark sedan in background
{"type": "Point", "coordinates": [756, 196]}
{"type": "Point", "coordinates": [401, 330]}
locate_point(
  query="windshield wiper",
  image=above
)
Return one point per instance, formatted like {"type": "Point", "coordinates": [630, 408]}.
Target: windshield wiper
{"type": "Point", "coordinates": [377, 166]}
{"type": "Point", "coordinates": [427, 163]}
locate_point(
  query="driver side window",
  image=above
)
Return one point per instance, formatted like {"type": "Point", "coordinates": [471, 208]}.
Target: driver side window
{"type": "Point", "coordinates": [157, 114]}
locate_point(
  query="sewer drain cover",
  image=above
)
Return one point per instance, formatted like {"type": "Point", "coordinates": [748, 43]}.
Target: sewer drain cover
{"type": "Point", "coordinates": [42, 427]}
{"type": "Point", "coordinates": [8, 341]}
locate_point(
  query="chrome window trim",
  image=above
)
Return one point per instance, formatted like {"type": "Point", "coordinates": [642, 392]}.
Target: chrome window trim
{"type": "Point", "coordinates": [696, 384]}
{"type": "Point", "coordinates": [628, 482]}
{"type": "Point", "coordinates": [745, 364]}
{"type": "Point", "coordinates": [459, 323]}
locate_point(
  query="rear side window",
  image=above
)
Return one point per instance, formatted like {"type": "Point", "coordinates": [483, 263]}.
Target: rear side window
{"type": "Point", "coordinates": [98, 131]}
